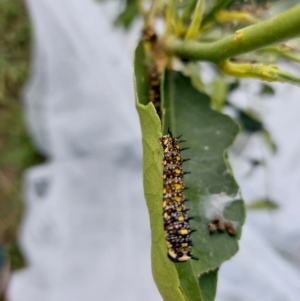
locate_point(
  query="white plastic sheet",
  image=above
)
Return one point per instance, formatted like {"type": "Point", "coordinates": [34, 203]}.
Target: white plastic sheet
{"type": "Point", "coordinates": [85, 233]}
{"type": "Point", "coordinates": [267, 266]}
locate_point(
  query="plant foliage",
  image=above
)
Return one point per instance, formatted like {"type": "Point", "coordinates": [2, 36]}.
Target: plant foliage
{"type": "Point", "coordinates": [180, 100]}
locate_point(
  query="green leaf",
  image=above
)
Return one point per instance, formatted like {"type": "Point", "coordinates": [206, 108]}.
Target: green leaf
{"type": "Point", "coordinates": [194, 27]}
{"type": "Point", "coordinates": [234, 85]}
{"type": "Point", "coordinates": [130, 12]}
{"type": "Point", "coordinates": [263, 204]}
{"type": "Point", "coordinates": [207, 285]}
{"type": "Point", "coordinates": [212, 188]}
{"type": "Point", "coordinates": [249, 121]}
{"type": "Point", "coordinates": [266, 90]}
{"type": "Point", "coordinates": [269, 140]}
{"type": "Point", "coordinates": [164, 271]}
{"type": "Point", "coordinates": [192, 70]}
{"type": "Point", "coordinates": [218, 93]}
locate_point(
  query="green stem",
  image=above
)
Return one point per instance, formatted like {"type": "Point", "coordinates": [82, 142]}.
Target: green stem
{"type": "Point", "coordinates": [149, 17]}
{"type": "Point", "coordinates": [274, 30]}
{"type": "Point", "coordinates": [268, 73]}
{"type": "Point", "coordinates": [285, 53]}
{"type": "Point", "coordinates": [240, 17]}
{"type": "Point", "coordinates": [173, 24]}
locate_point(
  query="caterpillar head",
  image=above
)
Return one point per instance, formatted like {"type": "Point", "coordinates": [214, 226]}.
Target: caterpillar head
{"type": "Point", "coordinates": [181, 256]}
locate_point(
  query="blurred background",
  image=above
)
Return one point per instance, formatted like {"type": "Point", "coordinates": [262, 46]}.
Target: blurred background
{"type": "Point", "coordinates": [73, 221]}
{"type": "Point", "coordinates": [16, 149]}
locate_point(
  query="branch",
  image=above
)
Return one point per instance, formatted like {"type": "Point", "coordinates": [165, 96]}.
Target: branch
{"type": "Point", "coordinates": [237, 16]}
{"type": "Point", "coordinates": [275, 30]}
{"type": "Point", "coordinates": [268, 73]}
{"type": "Point", "coordinates": [284, 52]}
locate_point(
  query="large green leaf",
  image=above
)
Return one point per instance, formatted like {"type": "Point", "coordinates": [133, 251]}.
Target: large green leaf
{"type": "Point", "coordinates": [213, 190]}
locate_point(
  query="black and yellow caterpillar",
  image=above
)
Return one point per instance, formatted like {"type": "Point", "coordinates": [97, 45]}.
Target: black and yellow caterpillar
{"type": "Point", "coordinates": [176, 222]}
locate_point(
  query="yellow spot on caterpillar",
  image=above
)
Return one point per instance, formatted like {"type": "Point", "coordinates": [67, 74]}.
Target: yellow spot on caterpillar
{"type": "Point", "coordinates": [178, 171]}
{"type": "Point", "coordinates": [178, 199]}
{"type": "Point", "coordinates": [178, 186]}
{"type": "Point", "coordinates": [172, 254]}
{"type": "Point", "coordinates": [184, 232]}
{"type": "Point", "coordinates": [181, 218]}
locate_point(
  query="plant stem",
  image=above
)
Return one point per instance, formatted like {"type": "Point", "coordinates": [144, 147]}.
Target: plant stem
{"type": "Point", "coordinates": [274, 30]}
{"type": "Point", "coordinates": [173, 23]}
{"type": "Point", "coordinates": [268, 73]}
{"type": "Point", "coordinates": [149, 16]}
{"type": "Point", "coordinates": [282, 52]}
{"type": "Point", "coordinates": [237, 16]}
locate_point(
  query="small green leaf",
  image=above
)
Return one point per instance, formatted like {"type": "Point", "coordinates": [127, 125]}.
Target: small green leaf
{"type": "Point", "coordinates": [218, 93]}
{"type": "Point", "coordinates": [194, 27]}
{"type": "Point", "coordinates": [263, 204]}
{"type": "Point", "coordinates": [254, 162]}
{"type": "Point", "coordinates": [266, 90]}
{"type": "Point", "coordinates": [130, 12]}
{"type": "Point", "coordinates": [234, 85]}
{"type": "Point", "coordinates": [249, 122]}
{"type": "Point", "coordinates": [269, 140]}
{"type": "Point", "coordinates": [192, 70]}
